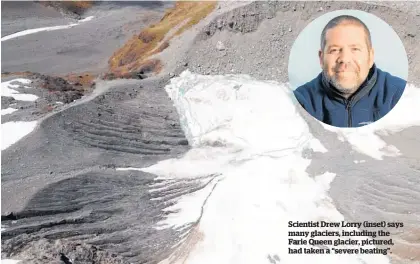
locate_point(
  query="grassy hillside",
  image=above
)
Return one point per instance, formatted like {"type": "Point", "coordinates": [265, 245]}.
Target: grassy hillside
{"type": "Point", "coordinates": [133, 56]}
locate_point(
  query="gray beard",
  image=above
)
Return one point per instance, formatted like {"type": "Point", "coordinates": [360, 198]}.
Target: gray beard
{"type": "Point", "coordinates": [346, 91]}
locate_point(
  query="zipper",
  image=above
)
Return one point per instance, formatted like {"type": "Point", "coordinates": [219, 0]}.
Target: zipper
{"type": "Point", "coordinates": [348, 108]}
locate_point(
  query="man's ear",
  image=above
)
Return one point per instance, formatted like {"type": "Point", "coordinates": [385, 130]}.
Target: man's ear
{"type": "Point", "coordinates": [371, 57]}
{"type": "Point", "coordinates": [321, 58]}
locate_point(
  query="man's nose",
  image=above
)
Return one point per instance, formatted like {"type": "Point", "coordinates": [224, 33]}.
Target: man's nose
{"type": "Point", "coordinates": [345, 56]}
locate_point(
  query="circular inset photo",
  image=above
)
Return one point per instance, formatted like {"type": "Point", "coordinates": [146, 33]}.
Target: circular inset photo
{"type": "Point", "coordinates": [348, 68]}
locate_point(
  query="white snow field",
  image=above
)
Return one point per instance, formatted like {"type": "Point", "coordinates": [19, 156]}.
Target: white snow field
{"type": "Point", "coordinates": [12, 132]}
{"type": "Point", "coordinates": [8, 111]}
{"type": "Point", "coordinates": [7, 89]}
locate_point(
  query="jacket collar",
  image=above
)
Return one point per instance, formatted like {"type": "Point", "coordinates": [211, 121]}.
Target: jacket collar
{"type": "Point", "coordinates": [364, 89]}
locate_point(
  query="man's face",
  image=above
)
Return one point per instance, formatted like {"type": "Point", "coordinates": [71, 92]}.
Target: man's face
{"type": "Point", "coordinates": [346, 58]}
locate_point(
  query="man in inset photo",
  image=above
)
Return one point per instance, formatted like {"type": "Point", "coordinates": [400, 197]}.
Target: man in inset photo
{"type": "Point", "coordinates": [351, 91]}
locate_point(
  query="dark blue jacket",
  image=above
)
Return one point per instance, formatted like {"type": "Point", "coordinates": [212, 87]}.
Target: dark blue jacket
{"type": "Point", "coordinates": [373, 100]}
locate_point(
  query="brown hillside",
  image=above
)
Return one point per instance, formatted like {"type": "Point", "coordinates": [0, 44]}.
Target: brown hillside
{"type": "Point", "coordinates": [74, 7]}
{"type": "Point", "coordinates": [133, 55]}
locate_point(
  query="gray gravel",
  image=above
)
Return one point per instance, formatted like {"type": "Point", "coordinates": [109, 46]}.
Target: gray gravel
{"type": "Point", "coordinates": [258, 36]}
